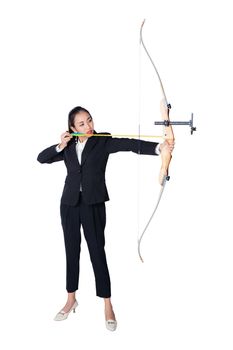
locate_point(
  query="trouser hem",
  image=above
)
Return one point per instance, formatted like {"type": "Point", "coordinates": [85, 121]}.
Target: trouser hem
{"type": "Point", "coordinates": [71, 290]}
{"type": "Point", "coordinates": [104, 296]}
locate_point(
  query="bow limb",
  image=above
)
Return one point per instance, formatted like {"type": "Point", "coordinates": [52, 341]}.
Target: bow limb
{"type": "Point", "coordinates": [164, 108]}
{"type": "Point", "coordinates": [166, 159]}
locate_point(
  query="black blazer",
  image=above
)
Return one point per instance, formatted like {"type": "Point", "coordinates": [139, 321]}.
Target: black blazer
{"type": "Point", "coordinates": [91, 171]}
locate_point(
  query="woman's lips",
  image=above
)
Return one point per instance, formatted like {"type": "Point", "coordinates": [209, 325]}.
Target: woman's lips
{"type": "Point", "coordinates": [89, 132]}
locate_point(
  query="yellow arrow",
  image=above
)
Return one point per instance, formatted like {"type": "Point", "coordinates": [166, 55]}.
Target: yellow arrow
{"type": "Point", "coordinates": [117, 135]}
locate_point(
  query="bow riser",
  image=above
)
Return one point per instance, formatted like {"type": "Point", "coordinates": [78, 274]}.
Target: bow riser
{"type": "Point", "coordinates": [169, 137]}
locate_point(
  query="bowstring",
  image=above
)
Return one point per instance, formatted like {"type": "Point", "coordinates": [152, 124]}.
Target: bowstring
{"type": "Point", "coordinates": [139, 134]}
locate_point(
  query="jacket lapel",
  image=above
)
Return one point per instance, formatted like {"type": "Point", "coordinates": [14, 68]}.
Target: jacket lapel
{"type": "Point", "coordinates": [73, 154]}
{"type": "Point", "coordinates": [88, 147]}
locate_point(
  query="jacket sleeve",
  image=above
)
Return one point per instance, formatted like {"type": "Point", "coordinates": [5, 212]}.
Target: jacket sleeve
{"type": "Point", "coordinates": [114, 145]}
{"type": "Point", "coordinates": [50, 155]}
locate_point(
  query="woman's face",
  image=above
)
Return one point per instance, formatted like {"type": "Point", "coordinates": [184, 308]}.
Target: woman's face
{"type": "Point", "coordinates": [83, 123]}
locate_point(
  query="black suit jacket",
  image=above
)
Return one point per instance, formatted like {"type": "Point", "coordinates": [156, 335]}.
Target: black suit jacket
{"type": "Point", "coordinates": [91, 172]}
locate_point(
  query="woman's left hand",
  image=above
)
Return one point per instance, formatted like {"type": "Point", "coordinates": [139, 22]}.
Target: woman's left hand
{"type": "Point", "coordinates": [167, 146]}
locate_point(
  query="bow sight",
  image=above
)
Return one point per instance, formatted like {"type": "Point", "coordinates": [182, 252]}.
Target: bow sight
{"type": "Point", "coordinates": [168, 122]}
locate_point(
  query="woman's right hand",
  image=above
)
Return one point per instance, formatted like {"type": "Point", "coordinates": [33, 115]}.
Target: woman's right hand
{"type": "Point", "coordinates": [65, 138]}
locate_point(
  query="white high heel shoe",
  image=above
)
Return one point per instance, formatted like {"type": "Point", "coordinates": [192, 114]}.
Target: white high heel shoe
{"type": "Point", "coordinates": [111, 325]}
{"type": "Point", "coordinates": [62, 315]}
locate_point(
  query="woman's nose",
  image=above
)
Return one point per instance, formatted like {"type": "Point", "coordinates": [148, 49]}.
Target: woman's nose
{"type": "Point", "coordinates": [88, 126]}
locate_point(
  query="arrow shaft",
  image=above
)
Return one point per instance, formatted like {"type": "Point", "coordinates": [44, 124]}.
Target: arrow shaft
{"type": "Point", "coordinates": [117, 135]}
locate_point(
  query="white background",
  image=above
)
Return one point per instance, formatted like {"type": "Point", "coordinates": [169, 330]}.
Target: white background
{"type": "Point", "coordinates": [59, 54]}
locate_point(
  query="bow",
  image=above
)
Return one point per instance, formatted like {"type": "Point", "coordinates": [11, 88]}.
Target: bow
{"type": "Point", "coordinates": [168, 136]}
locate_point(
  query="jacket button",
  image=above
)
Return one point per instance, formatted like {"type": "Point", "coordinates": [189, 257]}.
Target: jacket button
{"type": "Point", "coordinates": [79, 171]}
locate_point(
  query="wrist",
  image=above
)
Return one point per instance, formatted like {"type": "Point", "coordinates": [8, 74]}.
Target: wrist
{"type": "Point", "coordinates": [61, 146]}
{"type": "Point", "coordinates": [157, 149]}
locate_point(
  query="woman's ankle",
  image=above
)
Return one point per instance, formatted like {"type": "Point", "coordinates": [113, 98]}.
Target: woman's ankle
{"type": "Point", "coordinates": [71, 297]}
{"type": "Point", "coordinates": [107, 302]}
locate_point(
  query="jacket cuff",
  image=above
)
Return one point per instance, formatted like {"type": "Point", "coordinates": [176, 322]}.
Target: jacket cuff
{"type": "Point", "coordinates": [58, 149]}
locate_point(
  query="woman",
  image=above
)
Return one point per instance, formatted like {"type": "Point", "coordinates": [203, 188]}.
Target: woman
{"type": "Point", "coordinates": [83, 200]}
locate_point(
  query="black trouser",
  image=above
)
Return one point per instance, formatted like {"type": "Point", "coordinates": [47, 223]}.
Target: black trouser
{"type": "Point", "coordinates": [93, 219]}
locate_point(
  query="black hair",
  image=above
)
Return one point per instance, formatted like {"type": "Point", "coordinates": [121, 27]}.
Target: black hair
{"type": "Point", "coordinates": [72, 114]}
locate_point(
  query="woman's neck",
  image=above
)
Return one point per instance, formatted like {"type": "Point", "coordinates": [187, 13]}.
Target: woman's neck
{"type": "Point", "coordinates": [82, 138]}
